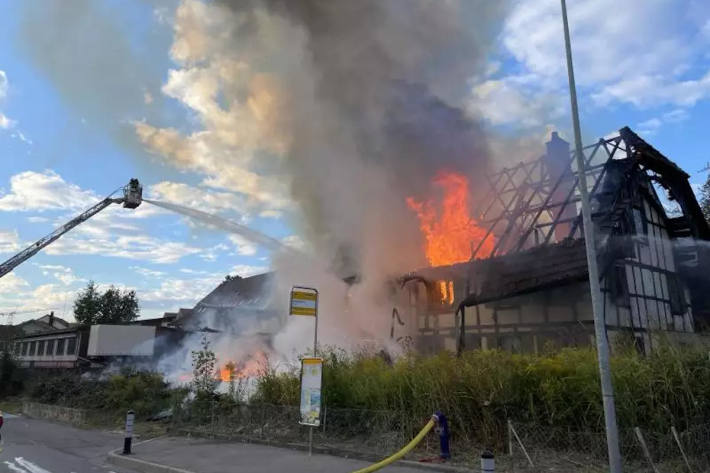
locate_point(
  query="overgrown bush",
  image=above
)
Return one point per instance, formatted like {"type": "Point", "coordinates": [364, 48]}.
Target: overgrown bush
{"type": "Point", "coordinates": [483, 388]}
{"type": "Point", "coordinates": [12, 377]}
{"type": "Point", "coordinates": [144, 392]}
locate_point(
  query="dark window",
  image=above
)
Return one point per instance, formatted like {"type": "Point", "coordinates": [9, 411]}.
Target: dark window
{"type": "Point", "coordinates": [620, 287]}
{"type": "Point", "coordinates": [640, 222]}
{"type": "Point", "coordinates": [60, 346]}
{"type": "Point", "coordinates": [24, 348]}
{"type": "Point", "coordinates": [33, 348]}
{"type": "Point", "coordinates": [675, 291]}
{"type": "Point", "coordinates": [18, 348]}
{"type": "Point", "coordinates": [40, 348]}
{"type": "Point", "coordinates": [71, 346]}
{"type": "Point", "coordinates": [50, 347]}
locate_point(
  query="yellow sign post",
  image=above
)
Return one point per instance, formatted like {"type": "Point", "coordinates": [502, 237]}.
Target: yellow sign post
{"type": "Point", "coordinates": [304, 302]}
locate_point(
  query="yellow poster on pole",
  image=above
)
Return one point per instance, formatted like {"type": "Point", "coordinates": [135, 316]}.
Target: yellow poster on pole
{"type": "Point", "coordinates": [311, 377]}
{"type": "Point", "coordinates": [304, 301]}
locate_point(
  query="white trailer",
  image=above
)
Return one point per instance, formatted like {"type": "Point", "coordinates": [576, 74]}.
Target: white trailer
{"type": "Point", "coordinates": [121, 340]}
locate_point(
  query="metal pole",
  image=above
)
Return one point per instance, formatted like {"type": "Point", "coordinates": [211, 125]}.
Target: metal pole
{"type": "Point", "coordinates": [612, 434]}
{"type": "Point", "coordinates": [315, 332]}
{"type": "Point", "coordinates": [315, 353]}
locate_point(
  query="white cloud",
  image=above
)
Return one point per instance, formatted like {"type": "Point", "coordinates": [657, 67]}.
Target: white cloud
{"type": "Point", "coordinates": [179, 292]}
{"type": "Point", "coordinates": [5, 122]}
{"type": "Point", "coordinates": [9, 241]}
{"type": "Point", "coordinates": [63, 274]}
{"type": "Point", "coordinates": [147, 272]}
{"type": "Point", "coordinates": [36, 191]}
{"type": "Point", "coordinates": [652, 125]}
{"type": "Point", "coordinates": [649, 127]}
{"type": "Point", "coordinates": [45, 297]}
{"type": "Point", "coordinates": [245, 270]}
{"type": "Point", "coordinates": [204, 199]}
{"type": "Point", "coordinates": [296, 242]}
{"type": "Point", "coordinates": [510, 101]}
{"type": "Point", "coordinates": [12, 283]}
{"type": "Point", "coordinates": [647, 54]}
{"type": "Point", "coordinates": [646, 91]}
{"type": "Point", "coordinates": [244, 246]}
{"type": "Point", "coordinates": [3, 85]}
{"type": "Point", "coordinates": [135, 247]}
{"type": "Point", "coordinates": [242, 112]}
{"type": "Point", "coordinates": [17, 134]}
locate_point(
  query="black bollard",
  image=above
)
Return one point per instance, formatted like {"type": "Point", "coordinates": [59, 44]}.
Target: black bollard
{"type": "Point", "coordinates": [442, 428]}
{"type": "Point", "coordinates": [129, 433]}
{"type": "Point", "coordinates": [488, 464]}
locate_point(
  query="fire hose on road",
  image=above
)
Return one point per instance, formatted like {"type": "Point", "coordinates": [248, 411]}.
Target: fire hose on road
{"type": "Point", "coordinates": [437, 418]}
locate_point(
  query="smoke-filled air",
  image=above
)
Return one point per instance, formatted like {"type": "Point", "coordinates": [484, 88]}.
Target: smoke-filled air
{"type": "Point", "coordinates": [338, 114]}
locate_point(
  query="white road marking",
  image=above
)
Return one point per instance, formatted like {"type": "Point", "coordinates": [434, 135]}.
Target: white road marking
{"type": "Point", "coordinates": [15, 468]}
{"type": "Point", "coordinates": [30, 466]}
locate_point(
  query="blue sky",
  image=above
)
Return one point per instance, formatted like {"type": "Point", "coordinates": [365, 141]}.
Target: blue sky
{"type": "Point", "coordinates": [93, 93]}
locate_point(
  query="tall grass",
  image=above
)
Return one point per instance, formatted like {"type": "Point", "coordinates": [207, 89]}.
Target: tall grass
{"type": "Point", "coordinates": [480, 390]}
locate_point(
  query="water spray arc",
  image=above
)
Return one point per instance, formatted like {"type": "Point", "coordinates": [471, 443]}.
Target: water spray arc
{"type": "Point", "coordinates": [250, 234]}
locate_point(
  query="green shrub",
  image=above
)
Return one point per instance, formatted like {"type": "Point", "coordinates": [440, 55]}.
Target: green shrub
{"type": "Point", "coordinates": [12, 377]}
{"type": "Point", "coordinates": [483, 388]}
{"type": "Point", "coordinates": [144, 392]}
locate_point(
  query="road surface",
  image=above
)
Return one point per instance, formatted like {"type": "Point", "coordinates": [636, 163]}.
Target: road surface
{"type": "Point", "coordinates": [35, 446]}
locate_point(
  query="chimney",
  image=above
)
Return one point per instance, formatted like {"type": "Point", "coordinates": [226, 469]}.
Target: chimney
{"type": "Point", "coordinates": [558, 160]}
{"type": "Point", "coordinates": [557, 157]}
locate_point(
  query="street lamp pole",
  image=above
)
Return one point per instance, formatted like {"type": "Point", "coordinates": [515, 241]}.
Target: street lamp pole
{"type": "Point", "coordinates": [612, 433]}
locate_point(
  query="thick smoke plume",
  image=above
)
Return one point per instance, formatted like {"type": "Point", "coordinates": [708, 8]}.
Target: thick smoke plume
{"type": "Point", "coordinates": [334, 112]}
{"type": "Point", "coordinates": [369, 114]}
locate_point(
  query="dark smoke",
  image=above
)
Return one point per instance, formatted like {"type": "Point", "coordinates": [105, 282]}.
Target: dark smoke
{"type": "Point", "coordinates": [387, 76]}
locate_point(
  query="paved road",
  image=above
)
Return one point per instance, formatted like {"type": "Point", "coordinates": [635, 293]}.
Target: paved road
{"type": "Point", "coordinates": [212, 456]}
{"type": "Point", "coordinates": [35, 446]}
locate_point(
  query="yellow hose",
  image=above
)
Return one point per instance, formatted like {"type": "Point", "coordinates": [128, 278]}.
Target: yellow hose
{"type": "Point", "coordinates": [401, 453]}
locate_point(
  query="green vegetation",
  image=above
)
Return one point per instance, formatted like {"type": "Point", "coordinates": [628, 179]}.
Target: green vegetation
{"type": "Point", "coordinates": [12, 377]}
{"type": "Point", "coordinates": [146, 393]}
{"type": "Point", "coordinates": [480, 390]}
{"type": "Point", "coordinates": [112, 307]}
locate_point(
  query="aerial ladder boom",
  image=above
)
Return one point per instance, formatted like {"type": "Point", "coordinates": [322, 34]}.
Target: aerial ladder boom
{"type": "Point", "coordinates": [132, 198]}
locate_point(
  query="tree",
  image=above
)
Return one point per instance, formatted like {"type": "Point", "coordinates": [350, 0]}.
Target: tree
{"type": "Point", "coordinates": [204, 364]}
{"type": "Point", "coordinates": [112, 307]}
{"type": "Point", "coordinates": [705, 198]}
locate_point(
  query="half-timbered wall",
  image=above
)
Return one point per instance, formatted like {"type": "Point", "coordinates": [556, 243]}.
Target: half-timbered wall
{"type": "Point", "coordinates": [642, 294]}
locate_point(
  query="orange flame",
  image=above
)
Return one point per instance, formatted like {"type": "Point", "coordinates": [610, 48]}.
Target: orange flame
{"type": "Point", "coordinates": [451, 236]}
{"type": "Point", "coordinates": [250, 368]}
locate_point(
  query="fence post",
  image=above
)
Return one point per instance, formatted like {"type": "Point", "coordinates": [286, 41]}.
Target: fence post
{"type": "Point", "coordinates": [520, 442]}
{"type": "Point", "coordinates": [510, 438]}
{"type": "Point", "coordinates": [128, 439]}
{"type": "Point", "coordinates": [325, 414]}
{"type": "Point", "coordinates": [212, 417]}
{"type": "Point", "coordinates": [680, 447]}
{"type": "Point", "coordinates": [644, 447]}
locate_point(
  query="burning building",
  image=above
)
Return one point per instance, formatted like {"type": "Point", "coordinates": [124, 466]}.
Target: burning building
{"type": "Point", "coordinates": [511, 272]}
{"type": "Point", "coordinates": [507, 264]}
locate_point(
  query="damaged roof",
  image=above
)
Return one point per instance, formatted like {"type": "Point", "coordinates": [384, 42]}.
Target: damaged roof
{"type": "Point", "coordinates": [537, 227]}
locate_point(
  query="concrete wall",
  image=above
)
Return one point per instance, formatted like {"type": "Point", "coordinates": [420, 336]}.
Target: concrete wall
{"type": "Point", "coordinates": [51, 412]}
